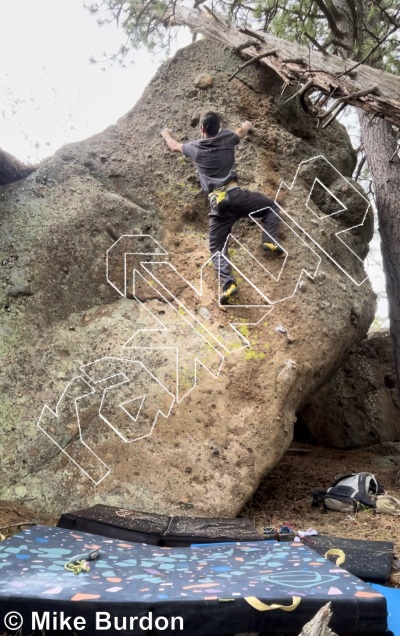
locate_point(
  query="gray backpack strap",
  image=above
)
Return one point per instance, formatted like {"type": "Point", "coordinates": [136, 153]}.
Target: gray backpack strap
{"type": "Point", "coordinates": [349, 491]}
{"type": "Point", "coordinates": [367, 489]}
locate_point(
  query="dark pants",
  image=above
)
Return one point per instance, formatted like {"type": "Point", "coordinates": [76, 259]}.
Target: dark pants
{"type": "Point", "coordinates": [241, 204]}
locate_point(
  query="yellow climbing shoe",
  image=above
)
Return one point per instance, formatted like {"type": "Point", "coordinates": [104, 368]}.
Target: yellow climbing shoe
{"type": "Point", "coordinates": [229, 290]}
{"type": "Point", "coordinates": [272, 247]}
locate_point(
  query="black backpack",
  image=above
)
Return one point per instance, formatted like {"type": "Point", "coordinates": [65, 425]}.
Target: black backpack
{"type": "Point", "coordinates": [349, 493]}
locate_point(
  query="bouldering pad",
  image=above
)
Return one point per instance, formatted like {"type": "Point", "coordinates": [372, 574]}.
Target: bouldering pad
{"type": "Point", "coordinates": [220, 588]}
{"type": "Point", "coordinates": [392, 596]}
{"type": "Point", "coordinates": [369, 560]}
{"type": "Point", "coordinates": [133, 525]}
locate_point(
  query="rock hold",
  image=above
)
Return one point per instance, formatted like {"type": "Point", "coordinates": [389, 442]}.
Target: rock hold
{"type": "Point", "coordinates": [204, 80]}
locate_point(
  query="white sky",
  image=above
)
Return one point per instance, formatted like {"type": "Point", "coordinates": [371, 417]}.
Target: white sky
{"type": "Point", "coordinates": [51, 93]}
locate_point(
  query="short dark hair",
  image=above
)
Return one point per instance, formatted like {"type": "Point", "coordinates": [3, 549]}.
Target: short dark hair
{"type": "Point", "coordinates": [211, 123]}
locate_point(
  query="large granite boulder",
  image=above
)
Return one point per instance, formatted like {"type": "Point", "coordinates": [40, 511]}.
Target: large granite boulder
{"type": "Point", "coordinates": [123, 381]}
{"type": "Point", "coordinates": [359, 406]}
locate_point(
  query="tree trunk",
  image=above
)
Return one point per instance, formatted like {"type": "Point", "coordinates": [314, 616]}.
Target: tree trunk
{"type": "Point", "coordinates": [380, 147]}
{"type": "Point", "coordinates": [297, 64]}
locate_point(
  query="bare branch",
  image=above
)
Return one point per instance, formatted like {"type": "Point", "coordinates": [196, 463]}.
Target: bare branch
{"type": "Point", "coordinates": [293, 60]}
{"type": "Point", "coordinates": [20, 523]}
{"type": "Point", "coordinates": [319, 46]}
{"type": "Point", "coordinates": [211, 12]}
{"type": "Point", "coordinates": [322, 99]}
{"type": "Point", "coordinates": [245, 45]}
{"type": "Point", "coordinates": [360, 167]}
{"type": "Point", "coordinates": [117, 15]}
{"type": "Point", "coordinates": [251, 60]}
{"type": "Point", "coordinates": [335, 115]}
{"type": "Point", "coordinates": [397, 147]}
{"type": "Point", "coordinates": [337, 43]}
{"type": "Point", "coordinates": [253, 34]}
{"type": "Point", "coordinates": [304, 89]}
{"type": "Point", "coordinates": [374, 48]}
{"type": "Point", "coordinates": [348, 98]}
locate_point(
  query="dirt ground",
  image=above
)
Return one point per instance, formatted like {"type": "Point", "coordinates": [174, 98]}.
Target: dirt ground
{"type": "Point", "coordinates": [283, 497]}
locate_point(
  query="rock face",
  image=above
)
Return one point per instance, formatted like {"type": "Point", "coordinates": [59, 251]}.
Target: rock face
{"type": "Point", "coordinates": [123, 381]}
{"type": "Point", "coordinates": [359, 405]}
{"type": "Point", "coordinates": [11, 169]}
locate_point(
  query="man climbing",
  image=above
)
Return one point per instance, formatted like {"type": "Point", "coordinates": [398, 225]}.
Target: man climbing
{"type": "Point", "coordinates": [214, 156]}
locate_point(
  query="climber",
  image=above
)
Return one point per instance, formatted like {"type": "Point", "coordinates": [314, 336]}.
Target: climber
{"type": "Point", "coordinates": [214, 156]}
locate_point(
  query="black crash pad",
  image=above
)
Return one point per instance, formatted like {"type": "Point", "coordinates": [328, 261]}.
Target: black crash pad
{"type": "Point", "coordinates": [137, 526]}
{"type": "Point", "coordinates": [368, 560]}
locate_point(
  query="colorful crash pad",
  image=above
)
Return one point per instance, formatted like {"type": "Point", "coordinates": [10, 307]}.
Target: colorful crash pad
{"type": "Point", "coordinates": [135, 525]}
{"type": "Point", "coordinates": [213, 588]}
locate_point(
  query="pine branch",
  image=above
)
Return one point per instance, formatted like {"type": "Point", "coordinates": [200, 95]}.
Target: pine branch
{"type": "Point", "coordinates": [374, 48]}
{"type": "Point", "coordinates": [331, 19]}
{"type": "Point", "coordinates": [338, 43]}
{"type": "Point", "coordinates": [395, 22]}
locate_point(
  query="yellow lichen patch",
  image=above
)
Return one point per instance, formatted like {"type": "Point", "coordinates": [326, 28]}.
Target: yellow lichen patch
{"type": "Point", "coordinates": [250, 354]}
{"type": "Point", "coordinates": [244, 330]}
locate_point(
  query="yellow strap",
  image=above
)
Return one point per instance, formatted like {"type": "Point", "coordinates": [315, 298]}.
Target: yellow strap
{"type": "Point", "coordinates": [262, 607]}
{"type": "Point", "coordinates": [338, 553]}
{"type": "Point", "coordinates": [2, 537]}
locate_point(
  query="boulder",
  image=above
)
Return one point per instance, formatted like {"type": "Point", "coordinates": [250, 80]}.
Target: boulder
{"type": "Point", "coordinates": [359, 406]}
{"type": "Point", "coordinates": [11, 169]}
{"type": "Point", "coordinates": [123, 381]}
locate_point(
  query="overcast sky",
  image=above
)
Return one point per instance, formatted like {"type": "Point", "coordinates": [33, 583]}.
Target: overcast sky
{"type": "Point", "coordinates": [50, 91]}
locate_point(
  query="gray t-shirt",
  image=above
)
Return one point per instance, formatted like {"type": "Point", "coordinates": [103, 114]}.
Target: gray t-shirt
{"type": "Point", "coordinates": [214, 158]}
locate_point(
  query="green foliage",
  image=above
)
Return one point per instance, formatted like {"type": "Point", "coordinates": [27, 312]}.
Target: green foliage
{"type": "Point", "coordinates": [371, 31]}
{"type": "Point", "coordinates": [371, 34]}
{"type": "Point", "coordinates": [144, 22]}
